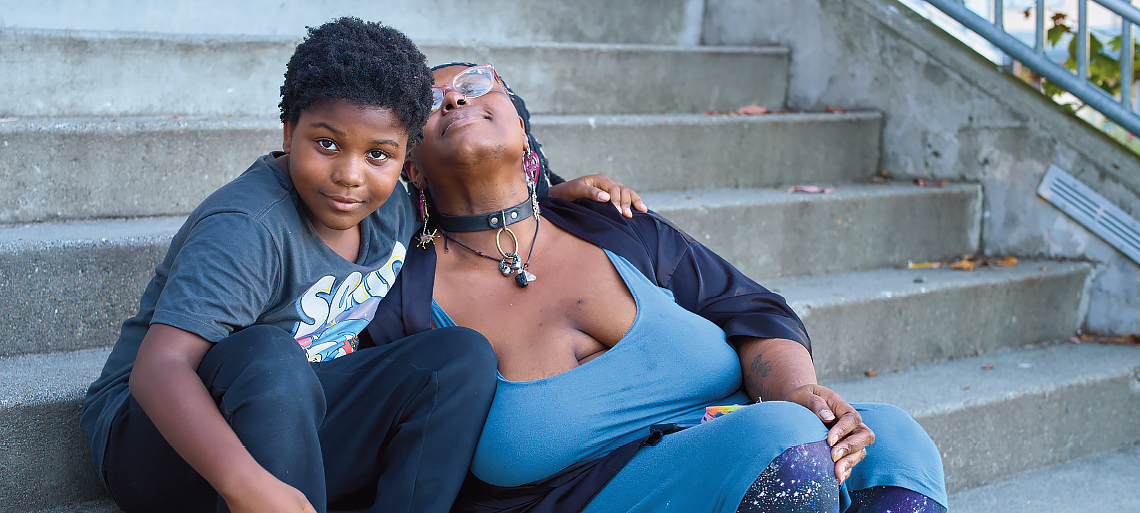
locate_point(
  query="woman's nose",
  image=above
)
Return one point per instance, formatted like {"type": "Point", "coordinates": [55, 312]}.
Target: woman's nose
{"type": "Point", "coordinates": [452, 99]}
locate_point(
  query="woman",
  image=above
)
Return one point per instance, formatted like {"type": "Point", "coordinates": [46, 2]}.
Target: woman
{"type": "Point", "coordinates": [604, 326]}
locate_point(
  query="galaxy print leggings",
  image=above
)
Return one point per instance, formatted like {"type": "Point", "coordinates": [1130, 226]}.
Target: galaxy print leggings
{"type": "Point", "coordinates": [802, 480]}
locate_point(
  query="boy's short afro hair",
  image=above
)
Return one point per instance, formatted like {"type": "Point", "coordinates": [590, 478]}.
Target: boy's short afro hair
{"type": "Point", "coordinates": [364, 63]}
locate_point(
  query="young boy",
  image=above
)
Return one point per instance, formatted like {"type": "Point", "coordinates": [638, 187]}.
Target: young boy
{"type": "Point", "coordinates": [240, 384]}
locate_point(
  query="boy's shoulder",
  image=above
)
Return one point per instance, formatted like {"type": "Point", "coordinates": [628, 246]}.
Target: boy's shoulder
{"type": "Point", "coordinates": [259, 190]}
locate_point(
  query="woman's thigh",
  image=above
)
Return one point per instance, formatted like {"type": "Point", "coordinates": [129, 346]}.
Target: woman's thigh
{"type": "Point", "coordinates": [709, 467]}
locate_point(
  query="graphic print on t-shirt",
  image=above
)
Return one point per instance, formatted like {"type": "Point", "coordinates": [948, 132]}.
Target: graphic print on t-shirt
{"type": "Point", "coordinates": [337, 318]}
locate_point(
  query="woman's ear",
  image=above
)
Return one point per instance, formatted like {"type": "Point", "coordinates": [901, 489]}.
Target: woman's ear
{"type": "Point", "coordinates": [413, 173]}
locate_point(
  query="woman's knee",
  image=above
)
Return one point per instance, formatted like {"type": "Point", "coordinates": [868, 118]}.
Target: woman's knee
{"type": "Point", "coordinates": [893, 426]}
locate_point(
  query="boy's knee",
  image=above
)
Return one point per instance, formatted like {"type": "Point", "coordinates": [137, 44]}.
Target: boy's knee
{"type": "Point", "coordinates": [264, 360]}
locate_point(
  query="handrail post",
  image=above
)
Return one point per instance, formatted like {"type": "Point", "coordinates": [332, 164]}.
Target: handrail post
{"type": "Point", "coordinates": [1040, 27]}
{"type": "Point", "coordinates": [1126, 55]}
{"type": "Point", "coordinates": [1083, 40]}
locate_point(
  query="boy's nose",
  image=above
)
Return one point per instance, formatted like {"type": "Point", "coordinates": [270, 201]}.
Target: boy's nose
{"type": "Point", "coordinates": [349, 173]}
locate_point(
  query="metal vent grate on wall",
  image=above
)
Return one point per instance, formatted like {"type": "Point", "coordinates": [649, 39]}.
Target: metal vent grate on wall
{"type": "Point", "coordinates": [1092, 210]}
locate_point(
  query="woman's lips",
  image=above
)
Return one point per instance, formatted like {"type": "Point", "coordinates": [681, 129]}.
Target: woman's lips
{"type": "Point", "coordinates": [458, 118]}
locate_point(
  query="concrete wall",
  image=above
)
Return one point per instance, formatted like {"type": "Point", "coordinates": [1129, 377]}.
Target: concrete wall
{"type": "Point", "coordinates": [950, 114]}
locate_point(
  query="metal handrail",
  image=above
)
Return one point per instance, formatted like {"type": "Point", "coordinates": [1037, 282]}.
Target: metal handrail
{"type": "Point", "coordinates": [1078, 85]}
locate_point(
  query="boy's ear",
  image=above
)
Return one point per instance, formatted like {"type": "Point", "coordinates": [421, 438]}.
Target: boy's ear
{"type": "Point", "coordinates": [288, 136]}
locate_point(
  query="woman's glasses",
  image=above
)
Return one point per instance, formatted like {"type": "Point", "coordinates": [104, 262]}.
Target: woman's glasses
{"type": "Point", "coordinates": [472, 82]}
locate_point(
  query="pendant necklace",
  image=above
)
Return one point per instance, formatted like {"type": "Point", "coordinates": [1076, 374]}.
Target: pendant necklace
{"type": "Point", "coordinates": [511, 263]}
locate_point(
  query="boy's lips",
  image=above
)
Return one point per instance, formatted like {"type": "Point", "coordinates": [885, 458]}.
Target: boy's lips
{"type": "Point", "coordinates": [343, 203]}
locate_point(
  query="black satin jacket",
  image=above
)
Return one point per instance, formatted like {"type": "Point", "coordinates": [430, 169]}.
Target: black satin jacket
{"type": "Point", "coordinates": [700, 281]}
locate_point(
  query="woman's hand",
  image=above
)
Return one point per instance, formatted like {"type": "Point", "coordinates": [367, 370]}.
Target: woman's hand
{"type": "Point", "coordinates": [600, 188]}
{"type": "Point", "coordinates": [848, 436]}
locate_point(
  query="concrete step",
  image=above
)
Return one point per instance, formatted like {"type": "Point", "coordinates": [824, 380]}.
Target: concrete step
{"type": "Point", "coordinates": [1003, 413]}
{"type": "Point", "coordinates": [46, 459]}
{"type": "Point", "coordinates": [667, 22]}
{"type": "Point", "coordinates": [1035, 407]}
{"type": "Point", "coordinates": [891, 319]}
{"type": "Point", "coordinates": [130, 167]}
{"type": "Point", "coordinates": [1101, 482]}
{"type": "Point", "coordinates": [103, 266]}
{"type": "Point", "coordinates": [771, 233]}
{"type": "Point", "coordinates": [77, 282]}
{"type": "Point", "coordinates": [88, 74]}
{"type": "Point", "coordinates": [684, 152]}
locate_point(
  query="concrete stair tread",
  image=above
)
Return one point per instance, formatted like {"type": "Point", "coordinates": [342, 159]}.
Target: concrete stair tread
{"type": "Point", "coordinates": [241, 75]}
{"type": "Point", "coordinates": [885, 319]}
{"type": "Point", "coordinates": [1101, 482]}
{"type": "Point", "coordinates": [172, 164]}
{"type": "Point", "coordinates": [936, 388]}
{"type": "Point", "coordinates": [579, 20]}
{"type": "Point", "coordinates": [116, 231]}
{"type": "Point", "coordinates": [47, 378]}
{"type": "Point", "coordinates": [807, 292]}
{"type": "Point", "coordinates": [1037, 407]}
{"type": "Point", "coordinates": [854, 228]}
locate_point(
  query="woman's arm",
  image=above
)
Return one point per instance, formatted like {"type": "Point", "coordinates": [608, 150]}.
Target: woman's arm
{"type": "Point", "coordinates": [782, 370]}
{"type": "Point", "coordinates": [165, 382]}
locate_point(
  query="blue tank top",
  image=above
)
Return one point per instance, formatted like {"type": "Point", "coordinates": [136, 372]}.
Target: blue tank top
{"type": "Point", "coordinates": [667, 368]}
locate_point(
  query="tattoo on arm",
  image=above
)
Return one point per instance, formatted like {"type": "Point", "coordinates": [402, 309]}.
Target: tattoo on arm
{"type": "Point", "coordinates": [761, 369]}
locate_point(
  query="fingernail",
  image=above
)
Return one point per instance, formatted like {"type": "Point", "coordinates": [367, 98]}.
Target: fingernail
{"type": "Point", "coordinates": [826, 415]}
{"type": "Point", "coordinates": [838, 454]}
{"type": "Point", "coordinates": [831, 439]}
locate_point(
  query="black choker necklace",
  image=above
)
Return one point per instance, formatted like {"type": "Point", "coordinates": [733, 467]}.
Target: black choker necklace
{"type": "Point", "coordinates": [511, 262]}
{"type": "Point", "coordinates": [476, 223]}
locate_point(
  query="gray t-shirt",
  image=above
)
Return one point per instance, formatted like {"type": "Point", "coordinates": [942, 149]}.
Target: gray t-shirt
{"type": "Point", "coordinates": [249, 256]}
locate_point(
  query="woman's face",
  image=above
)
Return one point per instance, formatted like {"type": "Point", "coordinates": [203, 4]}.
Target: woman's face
{"type": "Point", "coordinates": [466, 132]}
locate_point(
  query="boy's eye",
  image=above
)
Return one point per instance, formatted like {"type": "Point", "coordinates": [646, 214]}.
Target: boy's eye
{"type": "Point", "coordinates": [327, 144]}
{"type": "Point", "coordinates": [377, 155]}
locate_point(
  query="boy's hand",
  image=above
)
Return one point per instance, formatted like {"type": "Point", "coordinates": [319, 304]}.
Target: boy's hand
{"type": "Point", "coordinates": [600, 188]}
{"type": "Point", "coordinates": [267, 494]}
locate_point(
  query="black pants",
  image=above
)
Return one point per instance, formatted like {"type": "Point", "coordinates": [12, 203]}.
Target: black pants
{"type": "Point", "coordinates": [392, 427]}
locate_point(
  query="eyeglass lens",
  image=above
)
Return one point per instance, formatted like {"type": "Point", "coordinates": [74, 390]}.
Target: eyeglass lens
{"type": "Point", "coordinates": [471, 83]}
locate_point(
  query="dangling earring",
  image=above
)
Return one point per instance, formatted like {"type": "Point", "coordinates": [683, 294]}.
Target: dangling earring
{"type": "Point", "coordinates": [532, 168]}
{"type": "Point", "coordinates": [425, 237]}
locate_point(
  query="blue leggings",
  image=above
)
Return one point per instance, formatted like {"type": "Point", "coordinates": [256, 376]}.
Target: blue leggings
{"type": "Point", "coordinates": [802, 480]}
{"type": "Point", "coordinates": [389, 428]}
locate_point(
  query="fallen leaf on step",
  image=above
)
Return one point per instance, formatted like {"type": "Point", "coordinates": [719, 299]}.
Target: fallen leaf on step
{"type": "Point", "coordinates": [967, 387]}
{"type": "Point", "coordinates": [813, 189]}
{"type": "Point", "coordinates": [987, 367]}
{"type": "Point", "coordinates": [870, 374]}
{"type": "Point", "coordinates": [924, 265]}
{"type": "Point", "coordinates": [963, 265]}
{"type": "Point", "coordinates": [930, 183]}
{"type": "Point", "coordinates": [1007, 261]}
{"type": "Point", "coordinates": [747, 110]}
{"type": "Point", "coordinates": [751, 110]}
{"type": "Point", "coordinates": [834, 110]}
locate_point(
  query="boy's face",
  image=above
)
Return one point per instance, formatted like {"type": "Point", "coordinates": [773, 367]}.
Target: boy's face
{"type": "Point", "coordinates": [344, 161]}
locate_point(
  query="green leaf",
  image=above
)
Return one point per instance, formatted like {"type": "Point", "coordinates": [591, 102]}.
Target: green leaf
{"type": "Point", "coordinates": [1054, 34]}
